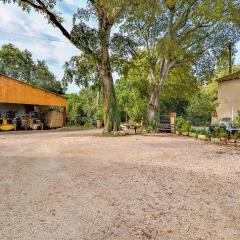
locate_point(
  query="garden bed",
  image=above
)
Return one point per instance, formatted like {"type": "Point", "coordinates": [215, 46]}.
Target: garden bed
{"type": "Point", "coordinates": [216, 135]}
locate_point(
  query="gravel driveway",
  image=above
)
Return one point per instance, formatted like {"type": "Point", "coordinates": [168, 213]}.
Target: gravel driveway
{"type": "Point", "coordinates": [77, 185]}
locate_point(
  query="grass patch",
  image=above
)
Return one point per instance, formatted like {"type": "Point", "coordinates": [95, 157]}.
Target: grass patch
{"type": "Point", "coordinates": [73, 128]}
{"type": "Point", "coordinates": [220, 152]}
{"type": "Point", "coordinates": [108, 134]}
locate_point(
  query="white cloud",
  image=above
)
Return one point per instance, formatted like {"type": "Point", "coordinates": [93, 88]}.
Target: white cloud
{"type": "Point", "coordinates": [19, 28]}
{"type": "Point", "coordinates": [6, 17]}
{"type": "Point", "coordinates": [16, 25]}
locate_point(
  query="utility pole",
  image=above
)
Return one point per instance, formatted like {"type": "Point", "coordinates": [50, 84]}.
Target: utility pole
{"type": "Point", "coordinates": [230, 57]}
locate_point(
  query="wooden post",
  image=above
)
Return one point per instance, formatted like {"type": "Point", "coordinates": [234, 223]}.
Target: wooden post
{"type": "Point", "coordinates": [214, 118]}
{"type": "Point", "coordinates": [230, 57]}
{"type": "Point", "coordinates": [173, 116]}
{"type": "Point", "coordinates": [64, 117]}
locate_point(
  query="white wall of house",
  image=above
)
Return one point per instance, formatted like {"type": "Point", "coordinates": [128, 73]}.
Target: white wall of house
{"type": "Point", "coordinates": [228, 99]}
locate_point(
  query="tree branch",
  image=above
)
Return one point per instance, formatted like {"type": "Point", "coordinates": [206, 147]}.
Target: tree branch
{"type": "Point", "coordinates": [32, 4]}
{"type": "Point", "coordinates": [55, 21]}
{"type": "Point", "coordinates": [53, 18]}
{"type": "Point", "coordinates": [119, 14]}
{"type": "Point", "coordinates": [183, 18]}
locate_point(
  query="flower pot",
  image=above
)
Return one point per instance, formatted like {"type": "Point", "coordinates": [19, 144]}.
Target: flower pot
{"type": "Point", "coordinates": [223, 140]}
{"type": "Point", "coordinates": [232, 142]}
{"type": "Point", "coordinates": [215, 140]}
{"type": "Point", "coordinates": [238, 142]}
{"type": "Point", "coordinates": [194, 135]}
{"type": "Point", "coordinates": [119, 133]}
{"type": "Point", "coordinates": [99, 123]}
{"type": "Point", "coordinates": [185, 133]}
{"type": "Point", "coordinates": [203, 137]}
{"type": "Point", "coordinates": [178, 132]}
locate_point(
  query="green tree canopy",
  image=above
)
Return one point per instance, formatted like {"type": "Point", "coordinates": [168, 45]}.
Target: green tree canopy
{"type": "Point", "coordinates": [133, 90]}
{"type": "Point", "coordinates": [45, 79]}
{"type": "Point", "coordinates": [20, 65]}
{"type": "Point", "coordinates": [177, 33]}
{"type": "Point", "coordinates": [16, 63]}
{"type": "Point", "coordinates": [94, 42]}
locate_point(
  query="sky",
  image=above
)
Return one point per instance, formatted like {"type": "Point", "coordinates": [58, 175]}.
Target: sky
{"type": "Point", "coordinates": [31, 31]}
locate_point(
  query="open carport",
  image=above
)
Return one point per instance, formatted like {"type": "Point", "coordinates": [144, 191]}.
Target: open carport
{"type": "Point", "coordinates": [18, 99]}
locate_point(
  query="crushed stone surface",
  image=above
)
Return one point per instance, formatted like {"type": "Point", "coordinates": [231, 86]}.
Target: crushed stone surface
{"type": "Point", "coordinates": [78, 185]}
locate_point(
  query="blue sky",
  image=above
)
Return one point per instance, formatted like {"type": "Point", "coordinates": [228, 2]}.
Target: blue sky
{"type": "Point", "coordinates": [32, 32]}
{"type": "Point", "coordinates": [19, 27]}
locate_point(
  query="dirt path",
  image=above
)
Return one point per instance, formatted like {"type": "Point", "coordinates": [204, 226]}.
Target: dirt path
{"type": "Point", "coordinates": [77, 185]}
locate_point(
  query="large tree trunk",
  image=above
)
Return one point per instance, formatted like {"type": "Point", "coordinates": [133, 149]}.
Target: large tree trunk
{"type": "Point", "coordinates": [111, 122]}
{"type": "Point", "coordinates": [98, 97]}
{"type": "Point", "coordinates": [153, 103]}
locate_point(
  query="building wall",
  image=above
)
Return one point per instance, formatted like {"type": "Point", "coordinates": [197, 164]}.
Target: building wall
{"type": "Point", "coordinates": [15, 91]}
{"type": "Point", "coordinates": [228, 99]}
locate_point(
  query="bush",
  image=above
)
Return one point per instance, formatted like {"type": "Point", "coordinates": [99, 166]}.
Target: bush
{"type": "Point", "coordinates": [183, 125]}
{"type": "Point", "coordinates": [179, 123]}
{"type": "Point", "coordinates": [202, 132]}
{"type": "Point", "coordinates": [99, 114]}
{"type": "Point", "coordinates": [186, 127]}
{"type": "Point", "coordinates": [222, 133]}
{"type": "Point", "coordinates": [192, 130]}
{"type": "Point", "coordinates": [215, 132]}
{"type": "Point", "coordinates": [234, 136]}
{"type": "Point", "coordinates": [150, 129]}
{"type": "Point", "coordinates": [237, 121]}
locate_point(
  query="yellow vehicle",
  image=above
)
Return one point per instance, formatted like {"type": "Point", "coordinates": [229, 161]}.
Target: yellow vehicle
{"type": "Point", "coordinates": [6, 125]}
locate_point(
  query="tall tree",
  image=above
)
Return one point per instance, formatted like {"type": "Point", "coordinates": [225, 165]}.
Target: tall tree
{"type": "Point", "coordinates": [16, 63]}
{"type": "Point", "coordinates": [180, 32]}
{"type": "Point", "coordinates": [43, 78]}
{"type": "Point", "coordinates": [91, 41]}
{"type": "Point", "coordinates": [19, 64]}
{"type": "Point", "coordinates": [133, 90]}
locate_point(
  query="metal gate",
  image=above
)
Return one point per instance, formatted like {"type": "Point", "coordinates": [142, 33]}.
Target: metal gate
{"type": "Point", "coordinates": [167, 123]}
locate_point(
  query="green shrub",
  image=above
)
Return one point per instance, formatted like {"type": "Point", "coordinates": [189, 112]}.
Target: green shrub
{"type": "Point", "coordinates": [202, 132]}
{"type": "Point", "coordinates": [186, 127]}
{"type": "Point", "coordinates": [179, 123]}
{"type": "Point", "coordinates": [99, 114]}
{"type": "Point", "coordinates": [209, 134]}
{"type": "Point", "coordinates": [237, 121]}
{"type": "Point", "coordinates": [222, 133]}
{"type": "Point", "coordinates": [150, 129]}
{"type": "Point", "coordinates": [234, 136]}
{"type": "Point", "coordinates": [216, 133]}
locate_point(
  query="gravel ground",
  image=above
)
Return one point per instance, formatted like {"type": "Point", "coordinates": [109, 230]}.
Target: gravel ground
{"type": "Point", "coordinates": [77, 185]}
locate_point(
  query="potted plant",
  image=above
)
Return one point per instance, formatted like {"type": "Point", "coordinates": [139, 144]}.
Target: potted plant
{"type": "Point", "coordinates": [186, 127]}
{"type": "Point", "coordinates": [193, 133]}
{"type": "Point", "coordinates": [233, 138]}
{"type": "Point", "coordinates": [203, 135]}
{"type": "Point", "coordinates": [238, 141]}
{"type": "Point", "coordinates": [179, 123]}
{"type": "Point", "coordinates": [215, 136]}
{"type": "Point", "coordinates": [99, 118]}
{"type": "Point", "coordinates": [223, 135]}
{"type": "Point", "coordinates": [236, 123]}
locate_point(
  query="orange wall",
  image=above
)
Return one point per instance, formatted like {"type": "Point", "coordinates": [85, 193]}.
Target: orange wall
{"type": "Point", "coordinates": [14, 91]}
